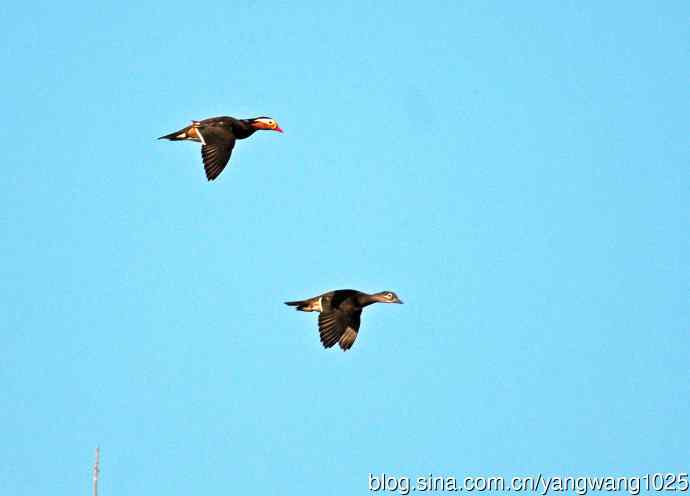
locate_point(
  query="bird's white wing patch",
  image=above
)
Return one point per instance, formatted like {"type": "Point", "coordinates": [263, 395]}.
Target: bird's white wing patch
{"type": "Point", "coordinates": [201, 136]}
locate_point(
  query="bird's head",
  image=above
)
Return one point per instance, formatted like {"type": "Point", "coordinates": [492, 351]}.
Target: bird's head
{"type": "Point", "coordinates": [387, 297]}
{"type": "Point", "coordinates": [266, 123]}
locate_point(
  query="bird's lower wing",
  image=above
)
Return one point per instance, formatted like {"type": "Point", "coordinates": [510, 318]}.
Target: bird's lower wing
{"type": "Point", "coordinates": [215, 159]}
{"type": "Point", "coordinates": [340, 327]}
{"type": "Point", "coordinates": [348, 338]}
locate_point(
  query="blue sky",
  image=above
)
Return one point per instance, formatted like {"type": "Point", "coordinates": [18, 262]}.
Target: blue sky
{"type": "Point", "coordinates": [517, 172]}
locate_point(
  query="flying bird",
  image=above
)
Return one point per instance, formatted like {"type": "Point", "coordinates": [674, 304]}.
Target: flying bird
{"type": "Point", "coordinates": [217, 136]}
{"type": "Point", "coordinates": [339, 313]}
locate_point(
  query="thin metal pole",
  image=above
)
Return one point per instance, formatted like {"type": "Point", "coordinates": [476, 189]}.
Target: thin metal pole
{"type": "Point", "coordinates": [96, 472]}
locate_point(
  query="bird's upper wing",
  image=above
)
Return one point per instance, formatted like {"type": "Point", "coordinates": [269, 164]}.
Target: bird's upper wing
{"type": "Point", "coordinates": [222, 120]}
{"type": "Point", "coordinates": [217, 144]}
{"type": "Point", "coordinates": [339, 326]}
{"type": "Point", "coordinates": [333, 299]}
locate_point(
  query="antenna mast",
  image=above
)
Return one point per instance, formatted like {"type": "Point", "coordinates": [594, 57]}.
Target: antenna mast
{"type": "Point", "coordinates": [96, 471]}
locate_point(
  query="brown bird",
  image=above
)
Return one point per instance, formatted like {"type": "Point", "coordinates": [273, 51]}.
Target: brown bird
{"type": "Point", "coordinates": [339, 313]}
{"type": "Point", "coordinates": [217, 136]}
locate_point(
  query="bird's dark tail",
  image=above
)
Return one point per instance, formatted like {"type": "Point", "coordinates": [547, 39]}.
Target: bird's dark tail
{"type": "Point", "coordinates": [301, 305]}
{"type": "Point", "coordinates": [177, 135]}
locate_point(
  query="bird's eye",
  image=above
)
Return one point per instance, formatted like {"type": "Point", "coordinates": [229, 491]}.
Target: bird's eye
{"type": "Point", "coordinates": [389, 295]}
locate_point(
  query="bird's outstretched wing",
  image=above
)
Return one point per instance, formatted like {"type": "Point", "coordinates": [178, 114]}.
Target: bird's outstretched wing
{"type": "Point", "coordinates": [215, 159]}
{"type": "Point", "coordinates": [338, 326]}
{"type": "Point", "coordinates": [217, 144]}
